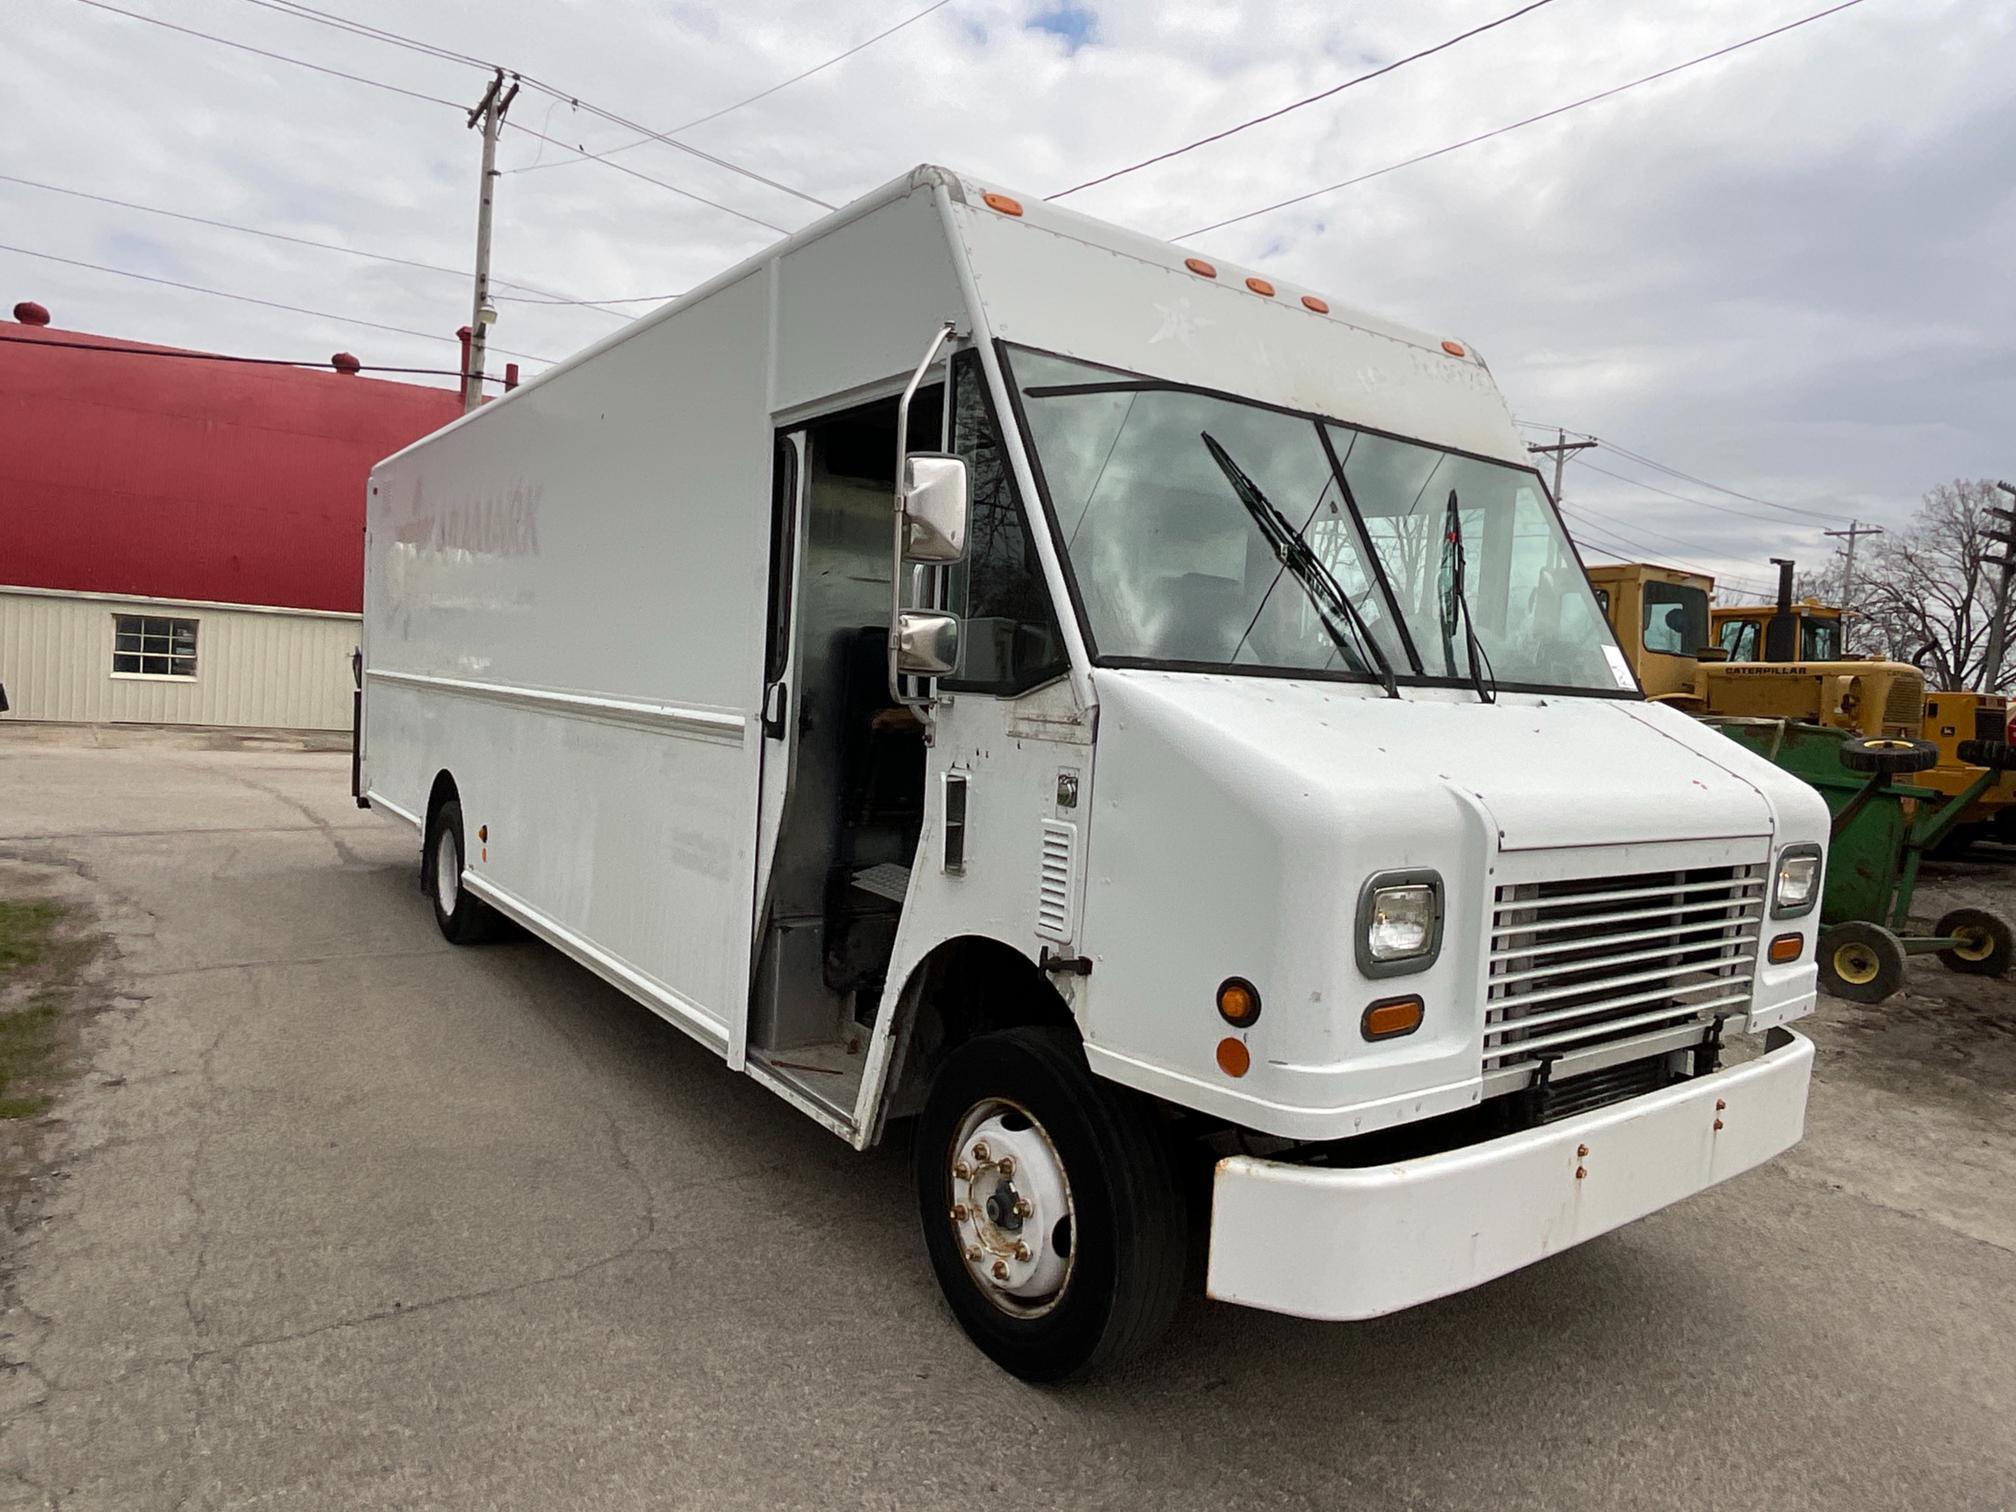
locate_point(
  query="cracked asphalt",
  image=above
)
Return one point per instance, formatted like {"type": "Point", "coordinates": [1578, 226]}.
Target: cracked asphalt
{"type": "Point", "coordinates": [340, 1216]}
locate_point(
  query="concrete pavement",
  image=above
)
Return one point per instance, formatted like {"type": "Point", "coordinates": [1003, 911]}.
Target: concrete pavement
{"type": "Point", "coordinates": [342, 1216]}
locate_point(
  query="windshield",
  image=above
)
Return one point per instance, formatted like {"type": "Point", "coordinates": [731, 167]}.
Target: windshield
{"type": "Point", "coordinates": [1676, 618]}
{"type": "Point", "coordinates": [1820, 638]}
{"type": "Point", "coordinates": [1175, 561]}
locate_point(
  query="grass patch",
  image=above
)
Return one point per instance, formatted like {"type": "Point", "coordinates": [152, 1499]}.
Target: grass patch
{"type": "Point", "coordinates": [38, 966]}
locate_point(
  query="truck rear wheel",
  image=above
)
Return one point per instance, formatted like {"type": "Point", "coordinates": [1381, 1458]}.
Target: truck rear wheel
{"type": "Point", "coordinates": [465, 919]}
{"type": "Point", "coordinates": [1051, 1206]}
{"type": "Point", "coordinates": [1861, 962]}
{"type": "Point", "coordinates": [1986, 944]}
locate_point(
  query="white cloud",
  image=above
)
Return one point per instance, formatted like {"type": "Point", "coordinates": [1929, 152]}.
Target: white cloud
{"type": "Point", "coordinates": [1786, 270]}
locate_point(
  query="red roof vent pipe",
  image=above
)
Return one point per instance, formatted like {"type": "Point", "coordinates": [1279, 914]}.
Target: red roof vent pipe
{"type": "Point", "coordinates": [510, 376]}
{"type": "Point", "coordinates": [345, 364]}
{"type": "Point", "coordinates": [30, 313]}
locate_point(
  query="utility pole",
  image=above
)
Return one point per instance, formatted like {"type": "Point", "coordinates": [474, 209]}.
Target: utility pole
{"type": "Point", "coordinates": [1560, 446]}
{"type": "Point", "coordinates": [490, 111]}
{"type": "Point", "coordinates": [1855, 531]}
{"type": "Point", "coordinates": [1991, 664]}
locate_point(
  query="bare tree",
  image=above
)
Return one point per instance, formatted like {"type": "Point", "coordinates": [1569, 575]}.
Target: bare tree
{"type": "Point", "coordinates": [1928, 593]}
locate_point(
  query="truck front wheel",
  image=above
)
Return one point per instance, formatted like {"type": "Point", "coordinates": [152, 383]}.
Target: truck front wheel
{"type": "Point", "coordinates": [1051, 1206]}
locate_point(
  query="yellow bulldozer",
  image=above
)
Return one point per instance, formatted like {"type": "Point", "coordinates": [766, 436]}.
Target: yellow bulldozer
{"type": "Point", "coordinates": [1951, 718]}
{"type": "Point", "coordinates": [1662, 620]}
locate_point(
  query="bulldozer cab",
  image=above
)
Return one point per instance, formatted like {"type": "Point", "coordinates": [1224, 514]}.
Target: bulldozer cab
{"type": "Point", "coordinates": [1746, 633]}
{"type": "Point", "coordinates": [1751, 663]}
{"type": "Point", "coordinates": [1660, 617]}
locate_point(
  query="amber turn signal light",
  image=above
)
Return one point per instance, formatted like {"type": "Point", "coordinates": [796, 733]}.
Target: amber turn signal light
{"type": "Point", "coordinates": [1234, 1059]}
{"type": "Point", "coordinates": [1787, 947]}
{"type": "Point", "coordinates": [1238, 1002]}
{"type": "Point", "coordinates": [1389, 1018]}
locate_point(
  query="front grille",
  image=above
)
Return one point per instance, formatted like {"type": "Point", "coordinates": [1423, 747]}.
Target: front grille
{"type": "Point", "coordinates": [1592, 962]}
{"type": "Point", "coordinates": [1904, 708]}
{"type": "Point", "coordinates": [1598, 1089]}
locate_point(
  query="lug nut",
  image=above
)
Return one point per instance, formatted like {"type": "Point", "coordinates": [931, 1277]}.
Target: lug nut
{"type": "Point", "coordinates": [1007, 1165]}
{"type": "Point", "coordinates": [1024, 1208]}
{"type": "Point", "coordinates": [980, 1151]}
{"type": "Point", "coordinates": [1000, 1270]}
{"type": "Point", "coordinates": [962, 1170]}
{"type": "Point", "coordinates": [1022, 1252]}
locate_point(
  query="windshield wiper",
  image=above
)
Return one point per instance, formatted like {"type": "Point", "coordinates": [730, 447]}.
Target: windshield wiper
{"type": "Point", "coordinates": [1455, 600]}
{"type": "Point", "coordinates": [1323, 589]}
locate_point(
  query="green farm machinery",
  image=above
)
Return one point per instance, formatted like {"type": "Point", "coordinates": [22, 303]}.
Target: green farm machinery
{"type": "Point", "coordinates": [1882, 827]}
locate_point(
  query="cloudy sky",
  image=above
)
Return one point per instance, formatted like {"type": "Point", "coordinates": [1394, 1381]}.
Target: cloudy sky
{"type": "Point", "coordinates": [1789, 273]}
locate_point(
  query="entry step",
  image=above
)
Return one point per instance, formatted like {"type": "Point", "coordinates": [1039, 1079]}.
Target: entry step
{"type": "Point", "coordinates": [888, 880]}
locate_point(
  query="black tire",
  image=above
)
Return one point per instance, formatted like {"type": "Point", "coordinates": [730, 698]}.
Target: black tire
{"type": "Point", "coordinates": [465, 919]}
{"type": "Point", "coordinates": [1127, 1227]}
{"type": "Point", "coordinates": [1998, 754]}
{"type": "Point", "coordinates": [1884, 753]}
{"type": "Point", "coordinates": [1861, 962]}
{"type": "Point", "coordinates": [1988, 943]}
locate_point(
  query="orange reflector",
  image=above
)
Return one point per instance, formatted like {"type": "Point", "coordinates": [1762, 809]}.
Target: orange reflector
{"type": "Point", "coordinates": [1238, 1002]}
{"type": "Point", "coordinates": [1391, 1017]}
{"type": "Point", "coordinates": [1311, 302]}
{"type": "Point", "coordinates": [1234, 1059]}
{"type": "Point", "coordinates": [1002, 203]}
{"type": "Point", "coordinates": [1260, 286]}
{"type": "Point", "coordinates": [1787, 947]}
{"type": "Point", "coordinates": [1454, 348]}
{"type": "Point", "coordinates": [1200, 267]}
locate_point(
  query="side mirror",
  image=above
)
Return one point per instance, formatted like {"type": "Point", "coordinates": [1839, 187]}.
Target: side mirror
{"type": "Point", "coordinates": [934, 507]}
{"type": "Point", "coordinates": [927, 643]}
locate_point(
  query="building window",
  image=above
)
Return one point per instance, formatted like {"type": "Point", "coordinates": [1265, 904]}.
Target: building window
{"type": "Point", "coordinates": [144, 645]}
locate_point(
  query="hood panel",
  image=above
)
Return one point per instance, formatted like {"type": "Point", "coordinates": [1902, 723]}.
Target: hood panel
{"type": "Point", "coordinates": [1548, 772]}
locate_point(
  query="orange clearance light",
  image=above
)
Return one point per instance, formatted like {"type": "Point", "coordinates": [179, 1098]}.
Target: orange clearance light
{"type": "Point", "coordinates": [1787, 947]}
{"type": "Point", "coordinates": [1002, 203]}
{"type": "Point", "coordinates": [1311, 302]}
{"type": "Point", "coordinates": [1260, 286]}
{"type": "Point", "coordinates": [1454, 348]}
{"type": "Point", "coordinates": [1238, 1002]}
{"type": "Point", "coordinates": [1234, 1059]}
{"type": "Point", "coordinates": [1389, 1018]}
{"type": "Point", "coordinates": [1200, 267]}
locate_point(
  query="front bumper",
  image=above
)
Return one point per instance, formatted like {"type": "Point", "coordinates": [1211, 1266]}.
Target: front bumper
{"type": "Point", "coordinates": [1320, 1242]}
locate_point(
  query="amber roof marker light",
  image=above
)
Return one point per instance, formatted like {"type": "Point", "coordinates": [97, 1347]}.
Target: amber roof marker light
{"type": "Point", "coordinates": [1260, 286]}
{"type": "Point", "coordinates": [1454, 349]}
{"type": "Point", "coordinates": [1002, 203]}
{"type": "Point", "coordinates": [1311, 302]}
{"type": "Point", "coordinates": [1200, 267]}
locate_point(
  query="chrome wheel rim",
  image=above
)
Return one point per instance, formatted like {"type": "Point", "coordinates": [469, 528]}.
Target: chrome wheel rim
{"type": "Point", "coordinates": [447, 871]}
{"type": "Point", "coordinates": [1012, 1214]}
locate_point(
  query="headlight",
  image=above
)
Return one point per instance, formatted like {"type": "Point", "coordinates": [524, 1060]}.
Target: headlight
{"type": "Point", "coordinates": [1796, 888]}
{"type": "Point", "coordinates": [1399, 923]}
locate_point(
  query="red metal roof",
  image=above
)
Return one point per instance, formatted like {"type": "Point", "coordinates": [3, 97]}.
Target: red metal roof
{"type": "Point", "coordinates": [122, 472]}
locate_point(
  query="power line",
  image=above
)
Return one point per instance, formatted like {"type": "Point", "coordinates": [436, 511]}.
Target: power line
{"type": "Point", "coordinates": [334, 73]}
{"type": "Point", "coordinates": [1741, 514]}
{"type": "Point", "coordinates": [647, 178]}
{"type": "Point", "coordinates": [1636, 524]}
{"type": "Point", "coordinates": [141, 351]}
{"type": "Point", "coordinates": [593, 303]}
{"type": "Point", "coordinates": [251, 299]}
{"type": "Point", "coordinates": [463, 109]}
{"type": "Point", "coordinates": [552, 296]}
{"type": "Point", "coordinates": [1531, 120]}
{"type": "Point", "coordinates": [761, 94]}
{"type": "Point", "coordinates": [1685, 477]}
{"type": "Point", "coordinates": [1614, 533]}
{"type": "Point", "coordinates": [1273, 115]}
{"type": "Point", "coordinates": [374, 33]}
{"type": "Point", "coordinates": [660, 136]}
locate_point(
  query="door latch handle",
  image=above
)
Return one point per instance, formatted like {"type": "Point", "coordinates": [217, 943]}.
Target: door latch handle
{"type": "Point", "coordinates": [1069, 965]}
{"type": "Point", "coordinates": [776, 704]}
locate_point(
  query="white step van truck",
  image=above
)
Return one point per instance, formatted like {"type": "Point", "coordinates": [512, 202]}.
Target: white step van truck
{"type": "Point", "coordinates": [974, 665]}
